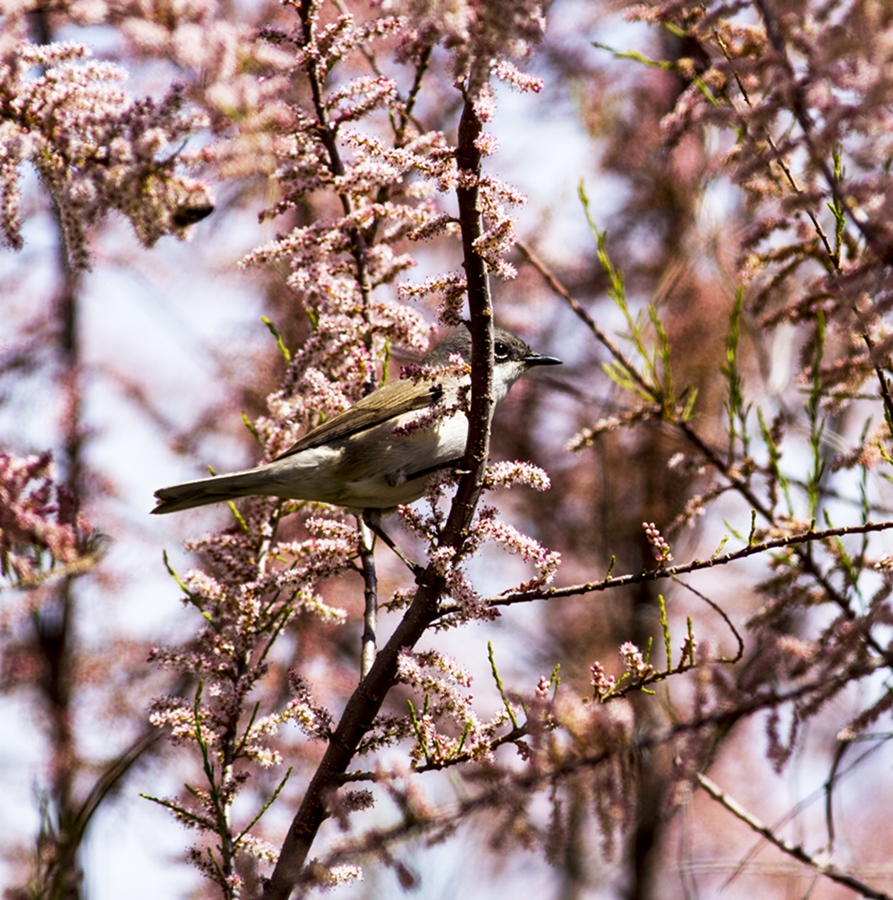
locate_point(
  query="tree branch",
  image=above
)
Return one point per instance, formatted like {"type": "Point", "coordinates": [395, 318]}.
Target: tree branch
{"type": "Point", "coordinates": [796, 851]}
{"type": "Point", "coordinates": [366, 545]}
{"type": "Point", "coordinates": [513, 597]}
{"type": "Point", "coordinates": [366, 701]}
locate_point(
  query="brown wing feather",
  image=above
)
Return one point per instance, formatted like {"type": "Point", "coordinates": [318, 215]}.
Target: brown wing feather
{"type": "Point", "coordinates": [394, 399]}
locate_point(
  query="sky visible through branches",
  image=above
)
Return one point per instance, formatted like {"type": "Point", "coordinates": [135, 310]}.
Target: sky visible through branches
{"type": "Point", "coordinates": [645, 646]}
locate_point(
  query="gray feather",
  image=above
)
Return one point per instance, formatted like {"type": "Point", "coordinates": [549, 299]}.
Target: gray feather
{"type": "Point", "coordinates": [355, 459]}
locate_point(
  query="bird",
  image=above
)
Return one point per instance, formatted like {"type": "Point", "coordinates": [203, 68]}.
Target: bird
{"type": "Point", "coordinates": [366, 458]}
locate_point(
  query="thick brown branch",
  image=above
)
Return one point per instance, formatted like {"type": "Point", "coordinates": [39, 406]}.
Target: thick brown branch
{"type": "Point", "coordinates": [366, 701]}
{"type": "Point", "coordinates": [481, 327]}
{"type": "Point", "coordinates": [358, 717]}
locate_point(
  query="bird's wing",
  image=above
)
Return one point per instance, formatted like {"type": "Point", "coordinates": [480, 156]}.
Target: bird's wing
{"type": "Point", "coordinates": [388, 402]}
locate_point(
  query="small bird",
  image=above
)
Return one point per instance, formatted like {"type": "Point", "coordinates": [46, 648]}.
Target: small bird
{"type": "Point", "coordinates": [366, 458]}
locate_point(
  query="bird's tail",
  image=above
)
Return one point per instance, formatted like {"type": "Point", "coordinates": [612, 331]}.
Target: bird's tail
{"type": "Point", "coordinates": [218, 489]}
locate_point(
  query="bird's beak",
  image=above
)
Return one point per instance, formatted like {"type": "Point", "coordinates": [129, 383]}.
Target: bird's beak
{"type": "Point", "coordinates": [536, 360]}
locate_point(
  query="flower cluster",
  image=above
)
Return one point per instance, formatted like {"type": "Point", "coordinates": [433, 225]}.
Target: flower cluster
{"type": "Point", "coordinates": [40, 532]}
{"type": "Point", "coordinates": [444, 684]}
{"type": "Point", "coordinates": [507, 474]}
{"type": "Point", "coordinates": [482, 38]}
{"type": "Point", "coordinates": [807, 95]}
{"type": "Point", "coordinates": [602, 683]}
{"type": "Point", "coordinates": [448, 403]}
{"type": "Point", "coordinates": [242, 84]}
{"type": "Point", "coordinates": [659, 545]}
{"type": "Point", "coordinates": [380, 201]}
{"type": "Point", "coordinates": [94, 149]}
{"type": "Point", "coordinates": [633, 661]}
{"type": "Point", "coordinates": [246, 605]}
{"type": "Point", "coordinates": [387, 187]}
{"type": "Point", "coordinates": [361, 182]}
{"type": "Point", "coordinates": [450, 287]}
{"type": "Point", "coordinates": [486, 528]}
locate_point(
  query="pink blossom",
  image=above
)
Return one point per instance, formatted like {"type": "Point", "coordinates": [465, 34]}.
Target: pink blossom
{"type": "Point", "coordinates": [661, 547]}
{"type": "Point", "coordinates": [93, 149]}
{"type": "Point", "coordinates": [39, 531]}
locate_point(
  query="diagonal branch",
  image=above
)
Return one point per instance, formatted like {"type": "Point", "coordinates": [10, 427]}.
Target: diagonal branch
{"type": "Point", "coordinates": [366, 701]}
{"type": "Point", "coordinates": [796, 851]}
{"type": "Point", "coordinates": [739, 483]}
{"type": "Point", "coordinates": [534, 778]}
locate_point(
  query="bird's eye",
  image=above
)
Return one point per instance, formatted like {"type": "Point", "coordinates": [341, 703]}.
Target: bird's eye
{"type": "Point", "coordinates": [500, 350]}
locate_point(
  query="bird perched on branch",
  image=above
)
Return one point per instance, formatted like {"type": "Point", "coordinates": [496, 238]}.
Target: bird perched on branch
{"type": "Point", "coordinates": [381, 451]}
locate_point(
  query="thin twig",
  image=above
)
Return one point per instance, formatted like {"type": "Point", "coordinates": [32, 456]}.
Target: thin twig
{"type": "Point", "coordinates": [554, 593]}
{"type": "Point", "coordinates": [739, 483]}
{"type": "Point", "coordinates": [739, 654]}
{"type": "Point", "coordinates": [796, 851]}
{"type": "Point", "coordinates": [376, 776]}
{"type": "Point", "coordinates": [553, 282]}
{"type": "Point", "coordinates": [535, 778]}
{"type": "Point", "coordinates": [366, 543]}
